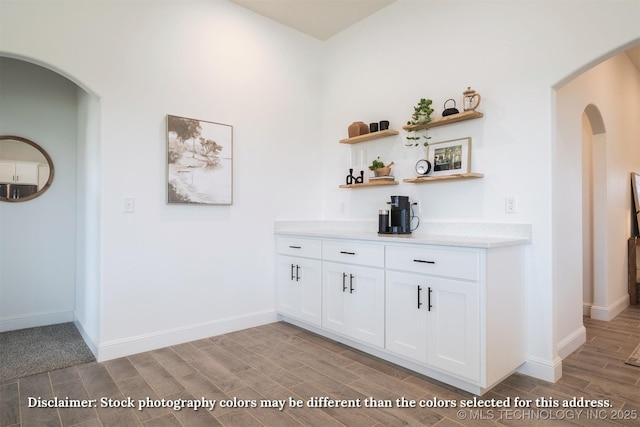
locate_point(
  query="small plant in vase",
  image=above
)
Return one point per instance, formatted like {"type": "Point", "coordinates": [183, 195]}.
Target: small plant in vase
{"type": "Point", "coordinates": [421, 116]}
{"type": "Point", "coordinates": [379, 169]}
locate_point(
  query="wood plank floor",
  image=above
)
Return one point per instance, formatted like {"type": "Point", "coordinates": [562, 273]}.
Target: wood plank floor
{"type": "Point", "coordinates": [281, 362]}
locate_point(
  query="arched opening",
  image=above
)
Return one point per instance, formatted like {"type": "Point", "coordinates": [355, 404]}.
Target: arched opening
{"type": "Point", "coordinates": [594, 150]}
{"type": "Point", "coordinates": [50, 245]}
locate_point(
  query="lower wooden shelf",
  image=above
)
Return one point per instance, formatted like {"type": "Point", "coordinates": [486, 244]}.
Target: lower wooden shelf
{"type": "Point", "coordinates": [443, 177]}
{"type": "Point", "coordinates": [370, 184]}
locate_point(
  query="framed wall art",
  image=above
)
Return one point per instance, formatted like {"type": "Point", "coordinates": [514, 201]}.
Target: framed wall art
{"type": "Point", "coordinates": [450, 157]}
{"type": "Point", "coordinates": [199, 162]}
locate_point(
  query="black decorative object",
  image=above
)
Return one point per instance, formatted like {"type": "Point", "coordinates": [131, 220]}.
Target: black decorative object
{"type": "Point", "coordinates": [351, 179]}
{"type": "Point", "coordinates": [450, 111]}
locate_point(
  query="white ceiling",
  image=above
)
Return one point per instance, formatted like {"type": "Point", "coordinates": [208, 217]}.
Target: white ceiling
{"type": "Point", "coordinates": [318, 18]}
{"type": "Point", "coordinates": [324, 18]}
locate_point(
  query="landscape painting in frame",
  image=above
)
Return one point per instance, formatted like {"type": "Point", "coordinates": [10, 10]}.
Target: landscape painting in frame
{"type": "Point", "coordinates": [199, 162]}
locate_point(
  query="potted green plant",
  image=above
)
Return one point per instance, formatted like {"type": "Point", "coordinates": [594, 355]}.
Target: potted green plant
{"type": "Point", "coordinates": [421, 116]}
{"type": "Point", "coordinates": [379, 169]}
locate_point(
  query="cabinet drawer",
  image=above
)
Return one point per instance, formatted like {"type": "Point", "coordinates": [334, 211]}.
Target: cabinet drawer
{"type": "Point", "coordinates": [353, 253]}
{"type": "Point", "coordinates": [441, 262]}
{"type": "Point", "coordinates": [298, 246]}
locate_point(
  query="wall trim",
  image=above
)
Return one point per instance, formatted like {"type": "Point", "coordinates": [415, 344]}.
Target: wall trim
{"type": "Point", "coordinates": [152, 341]}
{"type": "Point", "coordinates": [586, 308]}
{"type": "Point", "coordinates": [35, 320]}
{"type": "Point", "coordinates": [611, 311]}
{"type": "Point", "coordinates": [572, 342]}
{"type": "Point", "coordinates": [542, 369]}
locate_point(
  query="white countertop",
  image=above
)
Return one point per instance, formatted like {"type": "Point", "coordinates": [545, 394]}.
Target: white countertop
{"type": "Point", "coordinates": [475, 235]}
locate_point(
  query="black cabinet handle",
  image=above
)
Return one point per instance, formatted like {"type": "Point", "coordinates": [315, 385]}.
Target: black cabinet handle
{"type": "Point", "coordinates": [347, 253]}
{"type": "Point", "coordinates": [419, 303]}
{"type": "Point", "coordinates": [297, 273]}
{"type": "Point", "coordinates": [429, 306]}
{"type": "Point", "coordinates": [351, 283]}
{"type": "Point", "coordinates": [292, 275]}
{"type": "Point", "coordinates": [424, 261]}
{"type": "Point", "coordinates": [295, 247]}
{"type": "Point", "coordinates": [344, 282]}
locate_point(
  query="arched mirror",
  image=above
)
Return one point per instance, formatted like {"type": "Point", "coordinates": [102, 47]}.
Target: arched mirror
{"type": "Point", "coordinates": [26, 170]}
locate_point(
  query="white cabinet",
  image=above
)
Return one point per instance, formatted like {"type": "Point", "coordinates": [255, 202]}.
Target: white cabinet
{"type": "Point", "coordinates": [299, 292]}
{"type": "Point", "coordinates": [353, 301]}
{"type": "Point", "coordinates": [18, 172]}
{"type": "Point", "coordinates": [435, 321]}
{"type": "Point", "coordinates": [450, 312]}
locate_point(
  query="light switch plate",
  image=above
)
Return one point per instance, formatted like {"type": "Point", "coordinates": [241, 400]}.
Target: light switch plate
{"type": "Point", "coordinates": [129, 205]}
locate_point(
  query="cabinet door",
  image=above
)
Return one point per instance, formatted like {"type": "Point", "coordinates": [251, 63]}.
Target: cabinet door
{"type": "Point", "coordinates": [7, 172]}
{"type": "Point", "coordinates": [299, 288]}
{"type": "Point", "coordinates": [406, 315]}
{"type": "Point", "coordinates": [335, 288]}
{"type": "Point", "coordinates": [27, 173]}
{"type": "Point", "coordinates": [453, 342]}
{"type": "Point", "coordinates": [353, 301]}
{"type": "Point", "coordinates": [309, 273]}
{"type": "Point", "coordinates": [366, 304]}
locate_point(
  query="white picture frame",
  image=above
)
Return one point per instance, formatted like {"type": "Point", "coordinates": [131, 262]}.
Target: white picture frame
{"type": "Point", "coordinates": [452, 157]}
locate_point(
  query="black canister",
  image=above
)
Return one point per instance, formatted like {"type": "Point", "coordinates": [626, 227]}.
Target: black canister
{"type": "Point", "coordinates": [383, 221]}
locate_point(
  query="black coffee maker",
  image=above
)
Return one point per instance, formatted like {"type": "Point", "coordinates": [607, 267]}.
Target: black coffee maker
{"type": "Point", "coordinates": [398, 219]}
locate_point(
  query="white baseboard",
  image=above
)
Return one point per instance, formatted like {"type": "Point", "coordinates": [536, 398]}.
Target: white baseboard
{"type": "Point", "coordinates": [586, 308]}
{"type": "Point", "coordinates": [572, 342]}
{"type": "Point", "coordinates": [35, 320]}
{"type": "Point", "coordinates": [542, 369]}
{"type": "Point", "coordinates": [611, 311]}
{"type": "Point", "coordinates": [141, 343]}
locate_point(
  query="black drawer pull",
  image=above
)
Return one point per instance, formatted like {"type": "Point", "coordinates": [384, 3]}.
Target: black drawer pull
{"type": "Point", "coordinates": [295, 247]}
{"type": "Point", "coordinates": [429, 306]}
{"type": "Point", "coordinates": [351, 276]}
{"type": "Point", "coordinates": [424, 261]}
{"type": "Point", "coordinates": [419, 303]}
{"type": "Point", "coordinates": [347, 253]}
{"type": "Point", "coordinates": [344, 284]}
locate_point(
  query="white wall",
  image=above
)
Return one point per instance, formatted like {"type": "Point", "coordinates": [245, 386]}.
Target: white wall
{"type": "Point", "coordinates": [37, 237]}
{"type": "Point", "coordinates": [171, 273]}
{"type": "Point", "coordinates": [513, 53]}
{"type": "Point", "coordinates": [290, 99]}
{"type": "Point", "coordinates": [613, 87]}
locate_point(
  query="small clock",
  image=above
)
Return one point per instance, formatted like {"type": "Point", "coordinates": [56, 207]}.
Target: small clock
{"type": "Point", "coordinates": [423, 167]}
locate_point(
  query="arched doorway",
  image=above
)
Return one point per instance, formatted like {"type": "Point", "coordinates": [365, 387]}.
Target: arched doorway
{"type": "Point", "coordinates": [63, 251]}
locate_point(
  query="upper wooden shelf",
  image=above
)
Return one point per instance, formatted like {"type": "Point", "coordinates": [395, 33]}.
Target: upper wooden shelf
{"type": "Point", "coordinates": [447, 120]}
{"type": "Point", "coordinates": [443, 177]}
{"type": "Point", "coordinates": [369, 136]}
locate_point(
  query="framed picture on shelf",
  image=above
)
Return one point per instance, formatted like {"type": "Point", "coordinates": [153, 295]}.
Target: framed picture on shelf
{"type": "Point", "coordinates": [199, 162]}
{"type": "Point", "coordinates": [450, 157]}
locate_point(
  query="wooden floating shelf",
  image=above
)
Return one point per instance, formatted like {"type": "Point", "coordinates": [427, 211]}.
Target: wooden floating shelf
{"type": "Point", "coordinates": [370, 184]}
{"type": "Point", "coordinates": [447, 120]}
{"type": "Point", "coordinates": [369, 136]}
{"type": "Point", "coordinates": [443, 177]}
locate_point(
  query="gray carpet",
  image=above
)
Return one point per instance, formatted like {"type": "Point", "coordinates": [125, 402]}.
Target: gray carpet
{"type": "Point", "coordinates": [34, 350]}
{"type": "Point", "coordinates": [634, 359]}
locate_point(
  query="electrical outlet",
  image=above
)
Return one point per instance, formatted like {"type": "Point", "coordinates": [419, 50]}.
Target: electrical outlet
{"type": "Point", "coordinates": [511, 204]}
{"type": "Point", "coordinates": [417, 207]}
